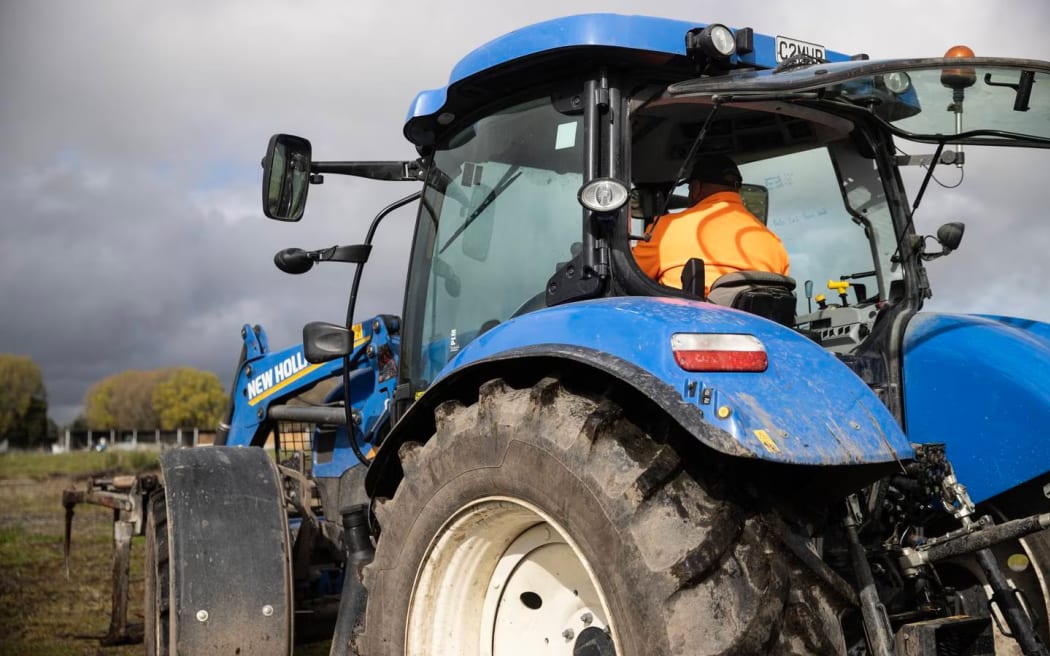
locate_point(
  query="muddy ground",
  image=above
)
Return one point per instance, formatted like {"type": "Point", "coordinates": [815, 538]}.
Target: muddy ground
{"type": "Point", "coordinates": [41, 612]}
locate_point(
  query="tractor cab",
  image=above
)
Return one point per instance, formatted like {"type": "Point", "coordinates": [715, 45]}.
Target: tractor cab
{"type": "Point", "coordinates": [539, 200]}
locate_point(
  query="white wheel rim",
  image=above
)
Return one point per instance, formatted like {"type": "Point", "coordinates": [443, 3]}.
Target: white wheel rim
{"type": "Point", "coordinates": [501, 578]}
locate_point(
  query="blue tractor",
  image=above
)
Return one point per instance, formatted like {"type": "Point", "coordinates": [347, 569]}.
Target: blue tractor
{"type": "Point", "coordinates": [548, 452]}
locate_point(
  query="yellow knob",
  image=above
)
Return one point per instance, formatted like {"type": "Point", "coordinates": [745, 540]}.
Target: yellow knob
{"type": "Point", "coordinates": [838, 285]}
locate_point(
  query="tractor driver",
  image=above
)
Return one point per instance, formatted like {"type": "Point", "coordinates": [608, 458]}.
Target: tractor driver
{"type": "Point", "coordinates": [716, 228]}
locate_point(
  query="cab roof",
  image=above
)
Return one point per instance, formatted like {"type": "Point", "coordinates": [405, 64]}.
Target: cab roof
{"type": "Point", "coordinates": [543, 50]}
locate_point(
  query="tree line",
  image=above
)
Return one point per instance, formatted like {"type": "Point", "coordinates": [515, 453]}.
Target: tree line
{"type": "Point", "coordinates": [23, 403]}
{"type": "Point", "coordinates": [165, 399]}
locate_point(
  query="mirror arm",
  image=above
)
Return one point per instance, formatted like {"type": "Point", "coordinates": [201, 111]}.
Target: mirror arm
{"type": "Point", "coordinates": [395, 171]}
{"type": "Point", "coordinates": [355, 253]}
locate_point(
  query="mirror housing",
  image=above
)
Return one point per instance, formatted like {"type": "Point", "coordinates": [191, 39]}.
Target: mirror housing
{"type": "Point", "coordinates": [323, 341]}
{"type": "Point", "coordinates": [286, 177]}
{"type": "Point", "coordinates": [950, 235]}
{"type": "Point", "coordinates": [756, 200]}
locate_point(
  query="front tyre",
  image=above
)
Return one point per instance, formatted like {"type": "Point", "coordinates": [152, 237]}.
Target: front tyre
{"type": "Point", "coordinates": [218, 567]}
{"type": "Point", "coordinates": [540, 520]}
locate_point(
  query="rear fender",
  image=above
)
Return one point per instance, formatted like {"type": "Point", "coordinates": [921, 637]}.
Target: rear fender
{"type": "Point", "coordinates": [807, 408]}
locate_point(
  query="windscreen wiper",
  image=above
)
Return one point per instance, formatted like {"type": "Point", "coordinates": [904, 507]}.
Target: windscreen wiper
{"type": "Point", "coordinates": [687, 163]}
{"type": "Point", "coordinates": [509, 177]}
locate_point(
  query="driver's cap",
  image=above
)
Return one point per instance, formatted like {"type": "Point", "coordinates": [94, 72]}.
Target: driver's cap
{"type": "Point", "coordinates": [718, 169]}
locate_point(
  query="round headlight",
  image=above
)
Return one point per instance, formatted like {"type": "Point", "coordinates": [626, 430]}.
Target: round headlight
{"type": "Point", "coordinates": [721, 39]}
{"type": "Point", "coordinates": [897, 82]}
{"type": "Point", "coordinates": [603, 195]}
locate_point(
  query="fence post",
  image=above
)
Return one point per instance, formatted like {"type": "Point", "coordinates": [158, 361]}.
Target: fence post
{"type": "Point", "coordinates": [90, 446]}
{"type": "Point", "coordinates": [196, 437]}
{"type": "Point", "coordinates": [134, 437]}
{"type": "Point", "coordinates": [178, 437]}
{"type": "Point", "coordinates": [156, 437]}
{"type": "Point", "coordinates": [68, 443]}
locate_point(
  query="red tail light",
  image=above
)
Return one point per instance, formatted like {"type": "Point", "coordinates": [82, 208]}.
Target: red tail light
{"type": "Point", "coordinates": [718, 352]}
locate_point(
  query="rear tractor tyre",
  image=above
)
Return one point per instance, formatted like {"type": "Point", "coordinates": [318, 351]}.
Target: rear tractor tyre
{"type": "Point", "coordinates": [543, 521]}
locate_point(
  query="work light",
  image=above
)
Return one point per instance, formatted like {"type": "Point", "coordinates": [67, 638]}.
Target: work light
{"type": "Point", "coordinates": [603, 195]}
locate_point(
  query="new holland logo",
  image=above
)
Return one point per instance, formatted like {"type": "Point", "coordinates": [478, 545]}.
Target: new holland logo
{"type": "Point", "coordinates": [275, 375]}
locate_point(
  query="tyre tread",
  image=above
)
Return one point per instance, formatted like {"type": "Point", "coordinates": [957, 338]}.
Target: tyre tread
{"type": "Point", "coordinates": [699, 551]}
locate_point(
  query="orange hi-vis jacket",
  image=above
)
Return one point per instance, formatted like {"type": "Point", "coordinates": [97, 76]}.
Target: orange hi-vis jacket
{"type": "Point", "coordinates": [720, 231]}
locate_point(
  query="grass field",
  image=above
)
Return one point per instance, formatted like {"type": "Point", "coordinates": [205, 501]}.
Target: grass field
{"type": "Point", "coordinates": [40, 611]}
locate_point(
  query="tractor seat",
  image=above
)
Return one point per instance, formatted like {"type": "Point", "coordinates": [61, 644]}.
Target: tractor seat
{"type": "Point", "coordinates": [768, 295]}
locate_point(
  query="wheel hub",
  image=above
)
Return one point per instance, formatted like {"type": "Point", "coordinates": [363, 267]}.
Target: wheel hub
{"type": "Point", "coordinates": [501, 578]}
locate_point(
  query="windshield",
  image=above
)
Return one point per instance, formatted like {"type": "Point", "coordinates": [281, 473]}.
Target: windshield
{"type": "Point", "coordinates": [499, 213]}
{"type": "Point", "coordinates": [964, 99]}
{"type": "Point", "coordinates": [984, 100]}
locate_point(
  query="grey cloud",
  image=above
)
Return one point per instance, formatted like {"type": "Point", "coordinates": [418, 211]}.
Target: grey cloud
{"type": "Point", "coordinates": [131, 134]}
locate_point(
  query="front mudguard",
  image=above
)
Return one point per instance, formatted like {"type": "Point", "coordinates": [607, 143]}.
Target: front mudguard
{"type": "Point", "coordinates": [231, 581]}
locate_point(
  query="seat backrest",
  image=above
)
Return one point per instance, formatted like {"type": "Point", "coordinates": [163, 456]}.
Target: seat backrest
{"type": "Point", "coordinates": [693, 277]}
{"type": "Point", "coordinates": [768, 295]}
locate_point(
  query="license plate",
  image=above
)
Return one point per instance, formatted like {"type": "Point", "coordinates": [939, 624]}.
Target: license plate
{"type": "Point", "coordinates": [787, 48]}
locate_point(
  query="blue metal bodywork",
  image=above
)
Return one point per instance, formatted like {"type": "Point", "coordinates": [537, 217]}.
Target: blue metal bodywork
{"type": "Point", "coordinates": [267, 378]}
{"type": "Point", "coordinates": [806, 408]}
{"type": "Point", "coordinates": [980, 384]}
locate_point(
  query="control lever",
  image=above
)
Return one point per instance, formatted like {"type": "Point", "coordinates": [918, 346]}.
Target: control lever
{"type": "Point", "coordinates": [840, 286]}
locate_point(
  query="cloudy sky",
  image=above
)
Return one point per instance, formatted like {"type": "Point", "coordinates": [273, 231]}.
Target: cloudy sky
{"type": "Point", "coordinates": [131, 235]}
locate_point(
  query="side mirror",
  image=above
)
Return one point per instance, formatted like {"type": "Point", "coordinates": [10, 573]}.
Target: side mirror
{"type": "Point", "coordinates": [949, 235]}
{"type": "Point", "coordinates": [756, 200]}
{"type": "Point", "coordinates": [286, 177]}
{"type": "Point", "coordinates": [324, 341]}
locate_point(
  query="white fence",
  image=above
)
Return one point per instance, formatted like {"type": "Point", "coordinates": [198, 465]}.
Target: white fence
{"type": "Point", "coordinates": [133, 439]}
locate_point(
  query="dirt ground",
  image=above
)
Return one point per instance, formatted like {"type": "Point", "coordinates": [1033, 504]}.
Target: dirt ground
{"type": "Point", "coordinates": [41, 612]}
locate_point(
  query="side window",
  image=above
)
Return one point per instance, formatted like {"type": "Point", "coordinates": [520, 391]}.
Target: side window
{"type": "Point", "coordinates": [807, 212]}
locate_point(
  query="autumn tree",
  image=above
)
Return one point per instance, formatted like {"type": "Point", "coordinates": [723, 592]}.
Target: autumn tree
{"type": "Point", "coordinates": [189, 398]}
{"type": "Point", "coordinates": [162, 398]}
{"type": "Point", "coordinates": [97, 413]}
{"type": "Point", "coordinates": [124, 400]}
{"type": "Point", "coordinates": [131, 401]}
{"type": "Point", "coordinates": [23, 401]}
